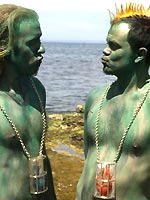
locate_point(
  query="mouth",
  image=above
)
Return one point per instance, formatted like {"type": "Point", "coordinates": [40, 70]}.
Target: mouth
{"type": "Point", "coordinates": [106, 65]}
{"type": "Point", "coordinates": [103, 60]}
{"type": "Point", "coordinates": [39, 58]}
{"type": "Point", "coordinates": [35, 61]}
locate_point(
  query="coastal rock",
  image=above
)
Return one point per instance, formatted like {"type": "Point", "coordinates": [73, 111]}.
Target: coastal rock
{"type": "Point", "coordinates": [64, 145]}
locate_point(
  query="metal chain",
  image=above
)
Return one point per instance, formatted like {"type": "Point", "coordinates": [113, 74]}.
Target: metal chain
{"type": "Point", "coordinates": [44, 124]}
{"type": "Point", "coordinates": [15, 130]}
{"type": "Point", "coordinates": [43, 118]}
{"type": "Point", "coordinates": [97, 122]}
{"type": "Point", "coordinates": [137, 109]}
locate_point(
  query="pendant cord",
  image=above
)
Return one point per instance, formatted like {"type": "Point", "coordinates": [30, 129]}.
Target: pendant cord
{"type": "Point", "coordinates": [137, 109]}
{"type": "Point", "coordinates": [97, 124]}
{"type": "Point", "coordinates": [15, 130]}
{"type": "Point", "coordinates": [43, 118]}
{"type": "Point", "coordinates": [44, 124]}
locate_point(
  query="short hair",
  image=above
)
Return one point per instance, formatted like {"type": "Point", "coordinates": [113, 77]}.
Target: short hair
{"type": "Point", "coordinates": [10, 17]}
{"type": "Point", "coordinates": [138, 19]}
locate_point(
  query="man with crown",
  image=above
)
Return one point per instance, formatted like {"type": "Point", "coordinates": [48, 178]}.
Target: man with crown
{"type": "Point", "coordinates": [117, 128]}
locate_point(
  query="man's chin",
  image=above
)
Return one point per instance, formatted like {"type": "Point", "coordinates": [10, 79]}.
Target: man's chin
{"type": "Point", "coordinates": [35, 70]}
{"type": "Point", "coordinates": [35, 74]}
{"type": "Point", "coordinates": [107, 71]}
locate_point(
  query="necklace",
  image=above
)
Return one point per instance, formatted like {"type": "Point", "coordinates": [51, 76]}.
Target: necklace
{"type": "Point", "coordinates": [106, 171]}
{"type": "Point", "coordinates": [37, 171]}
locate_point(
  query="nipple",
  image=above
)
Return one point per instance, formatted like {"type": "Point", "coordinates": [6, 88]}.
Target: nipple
{"type": "Point", "coordinates": [137, 149]}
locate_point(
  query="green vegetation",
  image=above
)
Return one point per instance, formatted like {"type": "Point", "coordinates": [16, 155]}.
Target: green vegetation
{"type": "Point", "coordinates": [64, 143]}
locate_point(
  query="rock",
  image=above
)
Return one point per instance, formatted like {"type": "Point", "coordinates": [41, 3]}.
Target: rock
{"type": "Point", "coordinates": [80, 109]}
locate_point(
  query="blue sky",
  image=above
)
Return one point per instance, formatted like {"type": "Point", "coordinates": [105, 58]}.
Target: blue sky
{"type": "Point", "coordinates": [73, 20]}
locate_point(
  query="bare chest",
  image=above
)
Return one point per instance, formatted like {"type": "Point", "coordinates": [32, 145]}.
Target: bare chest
{"type": "Point", "coordinates": [22, 119]}
{"type": "Point", "coordinates": [118, 121]}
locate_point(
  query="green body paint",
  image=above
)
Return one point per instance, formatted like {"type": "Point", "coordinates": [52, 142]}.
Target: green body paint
{"type": "Point", "coordinates": [20, 58]}
{"type": "Point", "coordinates": [132, 169]}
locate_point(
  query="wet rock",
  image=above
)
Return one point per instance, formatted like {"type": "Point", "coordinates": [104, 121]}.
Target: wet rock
{"type": "Point", "coordinates": [64, 145]}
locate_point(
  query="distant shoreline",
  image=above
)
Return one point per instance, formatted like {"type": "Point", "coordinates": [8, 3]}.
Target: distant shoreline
{"type": "Point", "coordinates": [78, 109]}
{"type": "Point", "coordinates": [75, 42]}
{"type": "Point", "coordinates": [62, 112]}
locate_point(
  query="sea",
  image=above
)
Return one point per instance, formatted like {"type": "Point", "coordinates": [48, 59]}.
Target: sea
{"type": "Point", "coordinates": [69, 71]}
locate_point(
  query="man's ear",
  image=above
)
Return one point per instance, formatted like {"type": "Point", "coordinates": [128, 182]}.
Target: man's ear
{"type": "Point", "coordinates": [142, 52]}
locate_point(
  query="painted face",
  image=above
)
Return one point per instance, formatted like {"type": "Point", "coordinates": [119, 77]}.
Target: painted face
{"type": "Point", "coordinates": [26, 54]}
{"type": "Point", "coordinates": [118, 56]}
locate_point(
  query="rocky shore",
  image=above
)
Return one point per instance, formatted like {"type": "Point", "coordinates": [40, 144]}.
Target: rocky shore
{"type": "Point", "coordinates": [64, 144]}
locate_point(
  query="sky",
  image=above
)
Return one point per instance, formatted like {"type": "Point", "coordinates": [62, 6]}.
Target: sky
{"type": "Point", "coordinates": [74, 20]}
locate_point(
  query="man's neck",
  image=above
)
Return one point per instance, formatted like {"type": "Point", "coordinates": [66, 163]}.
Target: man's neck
{"type": "Point", "coordinates": [128, 82]}
{"type": "Point", "coordinates": [15, 83]}
{"type": "Point", "coordinates": [133, 80]}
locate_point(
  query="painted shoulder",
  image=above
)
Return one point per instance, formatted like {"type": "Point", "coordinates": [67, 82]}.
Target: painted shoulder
{"type": "Point", "coordinates": [38, 83]}
{"type": "Point", "coordinates": [94, 95]}
{"type": "Point", "coordinates": [40, 88]}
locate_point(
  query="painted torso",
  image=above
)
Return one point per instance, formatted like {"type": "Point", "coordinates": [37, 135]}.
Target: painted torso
{"type": "Point", "coordinates": [132, 171]}
{"type": "Point", "coordinates": [13, 163]}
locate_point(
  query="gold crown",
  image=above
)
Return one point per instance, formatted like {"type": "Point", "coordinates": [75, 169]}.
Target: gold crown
{"type": "Point", "coordinates": [131, 9]}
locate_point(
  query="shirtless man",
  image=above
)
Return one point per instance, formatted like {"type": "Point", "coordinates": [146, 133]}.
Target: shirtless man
{"type": "Point", "coordinates": [22, 108]}
{"type": "Point", "coordinates": [117, 128]}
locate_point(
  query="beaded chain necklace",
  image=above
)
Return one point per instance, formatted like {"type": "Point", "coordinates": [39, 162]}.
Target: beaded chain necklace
{"type": "Point", "coordinates": [106, 175]}
{"type": "Point", "coordinates": [37, 173]}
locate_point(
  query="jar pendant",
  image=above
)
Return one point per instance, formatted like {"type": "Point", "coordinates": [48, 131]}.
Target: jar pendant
{"type": "Point", "coordinates": [37, 175]}
{"type": "Point", "coordinates": [105, 180]}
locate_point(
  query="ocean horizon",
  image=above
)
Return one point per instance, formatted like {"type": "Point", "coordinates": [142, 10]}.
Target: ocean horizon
{"type": "Point", "coordinates": [69, 71]}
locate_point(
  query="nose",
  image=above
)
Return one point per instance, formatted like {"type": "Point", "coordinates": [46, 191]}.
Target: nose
{"type": "Point", "coordinates": [107, 51]}
{"type": "Point", "coordinates": [41, 49]}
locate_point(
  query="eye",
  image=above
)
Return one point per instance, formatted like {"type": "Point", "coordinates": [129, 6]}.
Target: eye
{"type": "Point", "coordinates": [34, 44]}
{"type": "Point", "coordinates": [114, 46]}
